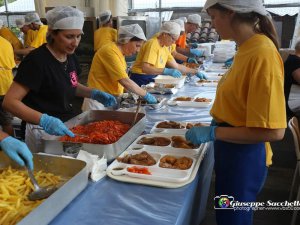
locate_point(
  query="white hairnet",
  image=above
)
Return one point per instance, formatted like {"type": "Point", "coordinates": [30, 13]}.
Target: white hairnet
{"type": "Point", "coordinates": [170, 28]}
{"type": "Point", "coordinates": [240, 6]}
{"type": "Point", "coordinates": [125, 33]}
{"type": "Point", "coordinates": [181, 24]}
{"type": "Point", "coordinates": [195, 19]}
{"type": "Point", "coordinates": [65, 18]}
{"type": "Point", "coordinates": [1, 23]}
{"type": "Point", "coordinates": [32, 18]}
{"type": "Point", "coordinates": [20, 23]}
{"type": "Point", "coordinates": [183, 18]}
{"type": "Point", "coordinates": [104, 17]}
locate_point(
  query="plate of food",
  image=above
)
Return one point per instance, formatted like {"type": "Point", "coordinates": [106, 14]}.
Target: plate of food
{"type": "Point", "coordinates": [187, 101]}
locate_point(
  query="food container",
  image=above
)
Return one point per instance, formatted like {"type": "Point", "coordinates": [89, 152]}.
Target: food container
{"type": "Point", "coordinates": [191, 103]}
{"type": "Point", "coordinates": [73, 170]}
{"type": "Point", "coordinates": [52, 144]}
{"type": "Point", "coordinates": [160, 177]}
{"type": "Point", "coordinates": [184, 127]}
{"type": "Point", "coordinates": [164, 79]}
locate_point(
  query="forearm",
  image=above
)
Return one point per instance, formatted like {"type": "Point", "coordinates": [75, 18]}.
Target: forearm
{"type": "Point", "coordinates": [3, 135]}
{"type": "Point", "coordinates": [246, 135]}
{"type": "Point", "coordinates": [149, 69]}
{"type": "Point", "coordinates": [24, 51]}
{"type": "Point", "coordinates": [83, 91]}
{"type": "Point", "coordinates": [186, 70]}
{"type": "Point", "coordinates": [131, 86]}
{"type": "Point", "coordinates": [184, 51]}
{"type": "Point", "coordinates": [179, 56]}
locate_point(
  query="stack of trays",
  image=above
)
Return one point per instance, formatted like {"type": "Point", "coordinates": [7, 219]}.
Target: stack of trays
{"type": "Point", "coordinates": [168, 166]}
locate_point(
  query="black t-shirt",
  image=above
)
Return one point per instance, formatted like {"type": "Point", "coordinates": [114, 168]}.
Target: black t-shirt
{"type": "Point", "coordinates": [52, 84]}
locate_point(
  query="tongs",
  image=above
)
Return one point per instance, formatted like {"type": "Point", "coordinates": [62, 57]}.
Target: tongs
{"type": "Point", "coordinates": [139, 102]}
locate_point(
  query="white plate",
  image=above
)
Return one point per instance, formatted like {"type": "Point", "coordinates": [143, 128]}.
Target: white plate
{"type": "Point", "coordinates": [173, 102]}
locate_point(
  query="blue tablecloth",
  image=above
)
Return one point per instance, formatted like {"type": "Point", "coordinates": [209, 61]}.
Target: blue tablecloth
{"type": "Point", "coordinates": [112, 202]}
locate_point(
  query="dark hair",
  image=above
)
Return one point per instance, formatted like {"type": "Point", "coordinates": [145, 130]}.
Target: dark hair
{"type": "Point", "coordinates": [49, 37]}
{"type": "Point", "coordinates": [135, 39]}
{"type": "Point", "coordinates": [261, 24]}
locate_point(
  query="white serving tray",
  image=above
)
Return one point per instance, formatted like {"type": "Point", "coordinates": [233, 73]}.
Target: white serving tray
{"type": "Point", "coordinates": [178, 131]}
{"type": "Point", "coordinates": [163, 177]}
{"type": "Point", "coordinates": [165, 79]}
{"type": "Point", "coordinates": [173, 102]}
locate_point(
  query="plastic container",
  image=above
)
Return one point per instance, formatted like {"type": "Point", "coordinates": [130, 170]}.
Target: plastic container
{"type": "Point", "coordinates": [165, 79]}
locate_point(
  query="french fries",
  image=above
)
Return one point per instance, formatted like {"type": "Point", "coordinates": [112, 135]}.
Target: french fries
{"type": "Point", "coordinates": [15, 186]}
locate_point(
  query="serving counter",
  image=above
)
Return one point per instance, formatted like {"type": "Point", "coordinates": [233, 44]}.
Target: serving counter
{"type": "Point", "coordinates": [117, 203]}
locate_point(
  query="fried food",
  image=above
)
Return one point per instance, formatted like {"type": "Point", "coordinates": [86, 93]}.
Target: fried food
{"type": "Point", "coordinates": [202, 100]}
{"type": "Point", "coordinates": [15, 186]}
{"type": "Point", "coordinates": [190, 125]}
{"type": "Point", "coordinates": [101, 132]}
{"type": "Point", "coordinates": [157, 141]}
{"type": "Point", "coordinates": [172, 162]}
{"type": "Point", "coordinates": [183, 98]}
{"type": "Point", "coordinates": [143, 159]}
{"type": "Point", "coordinates": [191, 65]}
{"type": "Point", "coordinates": [180, 142]}
{"type": "Point", "coordinates": [169, 125]}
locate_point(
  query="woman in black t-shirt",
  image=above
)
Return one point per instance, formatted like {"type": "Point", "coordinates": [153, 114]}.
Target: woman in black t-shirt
{"type": "Point", "coordinates": [47, 81]}
{"type": "Point", "coordinates": [292, 82]}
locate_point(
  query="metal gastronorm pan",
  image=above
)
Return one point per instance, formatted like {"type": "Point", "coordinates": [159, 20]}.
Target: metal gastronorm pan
{"type": "Point", "coordinates": [73, 170]}
{"type": "Point", "coordinates": [52, 144]}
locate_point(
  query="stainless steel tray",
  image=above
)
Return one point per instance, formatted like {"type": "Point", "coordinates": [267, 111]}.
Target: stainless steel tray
{"type": "Point", "coordinates": [73, 170]}
{"type": "Point", "coordinates": [52, 145]}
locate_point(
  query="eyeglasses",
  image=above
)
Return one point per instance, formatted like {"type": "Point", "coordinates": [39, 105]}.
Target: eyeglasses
{"type": "Point", "coordinates": [173, 38]}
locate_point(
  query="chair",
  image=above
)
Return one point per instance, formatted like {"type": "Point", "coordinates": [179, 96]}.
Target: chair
{"type": "Point", "coordinates": [294, 127]}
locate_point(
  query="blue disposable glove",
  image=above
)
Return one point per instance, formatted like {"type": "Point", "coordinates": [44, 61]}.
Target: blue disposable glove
{"type": "Point", "coordinates": [198, 135]}
{"type": "Point", "coordinates": [104, 98]}
{"type": "Point", "coordinates": [172, 72]}
{"type": "Point", "coordinates": [201, 76]}
{"type": "Point", "coordinates": [150, 98]}
{"type": "Point", "coordinates": [194, 45]}
{"type": "Point", "coordinates": [197, 52]}
{"type": "Point", "coordinates": [192, 60]}
{"type": "Point", "coordinates": [17, 151]}
{"type": "Point", "coordinates": [228, 62]}
{"type": "Point", "coordinates": [54, 126]}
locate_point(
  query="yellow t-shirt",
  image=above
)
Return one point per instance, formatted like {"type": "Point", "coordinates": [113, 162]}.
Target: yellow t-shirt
{"type": "Point", "coordinates": [29, 37]}
{"type": "Point", "coordinates": [251, 93]}
{"type": "Point", "coordinates": [151, 52]}
{"type": "Point", "coordinates": [11, 37]}
{"type": "Point", "coordinates": [108, 67]}
{"type": "Point", "coordinates": [104, 35]}
{"type": "Point", "coordinates": [7, 63]}
{"type": "Point", "coordinates": [40, 37]}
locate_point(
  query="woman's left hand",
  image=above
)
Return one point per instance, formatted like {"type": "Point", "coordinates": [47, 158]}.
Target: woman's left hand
{"type": "Point", "coordinates": [199, 135]}
{"type": "Point", "coordinates": [104, 98]}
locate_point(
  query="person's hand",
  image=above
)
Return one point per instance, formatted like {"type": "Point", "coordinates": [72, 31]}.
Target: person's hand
{"type": "Point", "coordinates": [150, 98]}
{"type": "Point", "coordinates": [103, 97]}
{"type": "Point", "coordinates": [172, 72]}
{"type": "Point", "coordinates": [54, 126]}
{"type": "Point", "coordinates": [201, 76]}
{"type": "Point", "coordinates": [198, 135]}
{"type": "Point", "coordinates": [192, 60]}
{"type": "Point", "coordinates": [228, 62]}
{"type": "Point", "coordinates": [193, 45]}
{"type": "Point", "coordinates": [197, 52]}
{"type": "Point", "coordinates": [17, 151]}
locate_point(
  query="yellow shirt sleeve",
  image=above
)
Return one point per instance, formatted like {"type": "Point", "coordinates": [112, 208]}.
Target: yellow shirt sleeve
{"type": "Point", "coordinates": [11, 38]}
{"type": "Point", "coordinates": [40, 37]}
{"type": "Point", "coordinates": [7, 63]}
{"type": "Point", "coordinates": [108, 67]}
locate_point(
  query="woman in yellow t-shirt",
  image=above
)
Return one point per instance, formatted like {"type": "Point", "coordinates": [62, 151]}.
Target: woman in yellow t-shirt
{"type": "Point", "coordinates": [249, 108]}
{"type": "Point", "coordinates": [108, 70]}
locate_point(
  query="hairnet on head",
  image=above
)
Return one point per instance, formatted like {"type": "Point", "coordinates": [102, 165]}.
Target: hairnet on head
{"type": "Point", "coordinates": [239, 6]}
{"type": "Point", "coordinates": [183, 18]}
{"type": "Point", "coordinates": [32, 18]}
{"type": "Point", "coordinates": [181, 24]}
{"type": "Point", "coordinates": [170, 28]}
{"type": "Point", "coordinates": [20, 23]}
{"type": "Point", "coordinates": [195, 19]}
{"type": "Point", "coordinates": [125, 33]}
{"type": "Point", "coordinates": [104, 17]}
{"type": "Point", "coordinates": [65, 18]}
{"type": "Point", "coordinates": [1, 23]}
